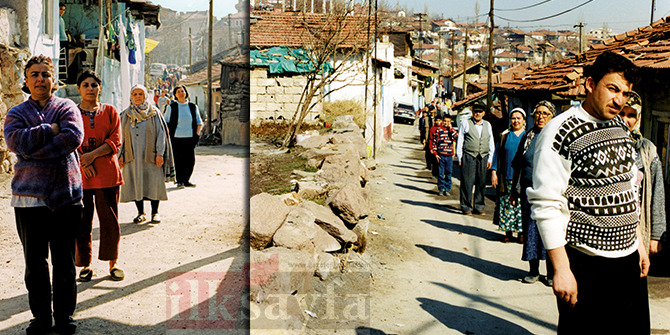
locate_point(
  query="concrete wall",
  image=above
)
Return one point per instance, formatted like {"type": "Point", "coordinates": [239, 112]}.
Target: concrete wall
{"type": "Point", "coordinates": [275, 96]}
{"type": "Point", "coordinates": [30, 21]}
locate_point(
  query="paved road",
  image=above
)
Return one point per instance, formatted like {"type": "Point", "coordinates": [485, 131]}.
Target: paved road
{"type": "Point", "coordinates": [439, 272]}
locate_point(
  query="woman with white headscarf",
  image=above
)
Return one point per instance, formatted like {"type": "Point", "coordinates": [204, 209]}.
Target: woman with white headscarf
{"type": "Point", "coordinates": [145, 155]}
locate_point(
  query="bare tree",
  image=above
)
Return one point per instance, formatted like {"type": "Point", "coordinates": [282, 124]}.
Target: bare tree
{"type": "Point", "coordinates": [335, 45]}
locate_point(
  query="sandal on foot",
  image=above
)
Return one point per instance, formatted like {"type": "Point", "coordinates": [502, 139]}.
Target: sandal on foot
{"type": "Point", "coordinates": [140, 218]}
{"type": "Point", "coordinates": [85, 274]}
{"type": "Point", "coordinates": [117, 274]}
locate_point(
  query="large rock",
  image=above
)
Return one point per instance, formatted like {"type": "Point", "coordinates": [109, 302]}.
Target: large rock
{"type": "Point", "coordinates": [267, 213]}
{"type": "Point", "coordinates": [318, 154]}
{"type": "Point", "coordinates": [324, 218]}
{"type": "Point", "coordinates": [361, 230]}
{"type": "Point", "coordinates": [314, 141]}
{"type": "Point", "coordinates": [342, 169]}
{"type": "Point", "coordinates": [350, 203]}
{"type": "Point", "coordinates": [326, 263]}
{"type": "Point", "coordinates": [356, 139]}
{"type": "Point", "coordinates": [280, 271]}
{"type": "Point", "coordinates": [291, 199]}
{"type": "Point", "coordinates": [311, 190]}
{"type": "Point", "coordinates": [324, 242]}
{"type": "Point", "coordinates": [297, 232]}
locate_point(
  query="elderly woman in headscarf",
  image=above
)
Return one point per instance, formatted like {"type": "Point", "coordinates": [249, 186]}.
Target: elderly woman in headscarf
{"type": "Point", "coordinates": [649, 182]}
{"type": "Point", "coordinates": [145, 155]}
{"type": "Point", "coordinates": [507, 216]}
{"type": "Point", "coordinates": [533, 249]}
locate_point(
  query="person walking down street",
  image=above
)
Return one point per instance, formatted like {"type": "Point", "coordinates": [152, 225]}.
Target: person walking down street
{"type": "Point", "coordinates": [533, 249]}
{"type": "Point", "coordinates": [101, 177]}
{"type": "Point", "coordinates": [425, 123]}
{"type": "Point", "coordinates": [45, 132]}
{"type": "Point", "coordinates": [442, 137]}
{"type": "Point", "coordinates": [507, 216]}
{"type": "Point", "coordinates": [584, 202]}
{"type": "Point", "coordinates": [475, 150]}
{"type": "Point", "coordinates": [145, 155]}
{"type": "Point", "coordinates": [184, 125]}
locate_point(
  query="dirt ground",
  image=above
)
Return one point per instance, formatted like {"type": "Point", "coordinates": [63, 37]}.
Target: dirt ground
{"type": "Point", "coordinates": [184, 275]}
{"type": "Point", "coordinates": [430, 270]}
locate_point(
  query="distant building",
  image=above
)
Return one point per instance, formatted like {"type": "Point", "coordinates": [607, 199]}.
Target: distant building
{"type": "Point", "coordinates": [601, 33]}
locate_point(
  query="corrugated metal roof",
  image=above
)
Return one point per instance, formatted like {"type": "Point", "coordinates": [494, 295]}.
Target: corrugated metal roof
{"type": "Point", "coordinates": [647, 47]}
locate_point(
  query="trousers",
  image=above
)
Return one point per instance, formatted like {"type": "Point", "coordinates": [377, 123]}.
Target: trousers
{"type": "Point", "coordinates": [473, 173]}
{"type": "Point", "coordinates": [184, 158]}
{"type": "Point", "coordinates": [106, 202]}
{"type": "Point", "coordinates": [610, 296]}
{"type": "Point", "coordinates": [444, 166]}
{"type": "Point", "coordinates": [42, 231]}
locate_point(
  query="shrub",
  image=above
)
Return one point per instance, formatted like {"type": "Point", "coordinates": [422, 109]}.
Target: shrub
{"type": "Point", "coordinates": [333, 109]}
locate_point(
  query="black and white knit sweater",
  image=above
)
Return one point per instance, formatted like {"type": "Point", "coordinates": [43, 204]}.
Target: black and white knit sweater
{"type": "Point", "coordinates": [582, 191]}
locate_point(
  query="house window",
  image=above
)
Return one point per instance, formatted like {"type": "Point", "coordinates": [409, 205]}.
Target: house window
{"type": "Point", "coordinates": [47, 17]}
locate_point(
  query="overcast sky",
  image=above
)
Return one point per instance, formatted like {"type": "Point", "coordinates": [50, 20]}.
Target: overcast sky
{"type": "Point", "coordinates": [221, 7]}
{"type": "Point", "coordinates": [619, 15]}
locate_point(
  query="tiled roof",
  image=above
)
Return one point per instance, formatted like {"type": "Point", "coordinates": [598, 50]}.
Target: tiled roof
{"type": "Point", "coordinates": [290, 29]}
{"type": "Point", "coordinates": [647, 47]}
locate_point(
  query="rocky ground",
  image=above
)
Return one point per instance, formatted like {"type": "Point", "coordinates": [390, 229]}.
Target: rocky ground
{"type": "Point", "coordinates": [184, 275]}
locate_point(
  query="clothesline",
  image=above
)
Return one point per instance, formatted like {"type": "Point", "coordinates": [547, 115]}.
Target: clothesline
{"type": "Point", "coordinates": [115, 18]}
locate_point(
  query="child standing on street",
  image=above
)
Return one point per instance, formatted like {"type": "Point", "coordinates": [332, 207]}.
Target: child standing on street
{"type": "Point", "coordinates": [442, 138]}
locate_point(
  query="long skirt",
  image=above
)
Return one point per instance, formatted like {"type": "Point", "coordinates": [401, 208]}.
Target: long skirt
{"type": "Point", "coordinates": [533, 248]}
{"type": "Point", "coordinates": [508, 217]}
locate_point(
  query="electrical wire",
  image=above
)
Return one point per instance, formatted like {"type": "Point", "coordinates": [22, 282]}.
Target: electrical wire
{"type": "Point", "coordinates": [546, 17]}
{"type": "Point", "coordinates": [520, 8]}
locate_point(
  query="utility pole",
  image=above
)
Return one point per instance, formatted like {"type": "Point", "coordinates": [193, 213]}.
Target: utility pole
{"type": "Point", "coordinates": [374, 101]}
{"type": "Point", "coordinates": [465, 60]}
{"type": "Point", "coordinates": [489, 84]}
{"type": "Point", "coordinates": [209, 68]}
{"type": "Point", "coordinates": [580, 25]}
{"type": "Point", "coordinates": [190, 50]}
{"type": "Point", "coordinates": [421, 18]}
{"type": "Point", "coordinates": [230, 34]}
{"type": "Point", "coordinates": [453, 54]}
{"type": "Point", "coordinates": [653, 4]}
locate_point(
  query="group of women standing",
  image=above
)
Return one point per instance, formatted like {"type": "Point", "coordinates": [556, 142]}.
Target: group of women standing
{"type": "Point", "coordinates": [133, 150]}
{"type": "Point", "coordinates": [513, 174]}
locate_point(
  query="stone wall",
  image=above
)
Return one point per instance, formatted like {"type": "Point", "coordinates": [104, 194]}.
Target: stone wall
{"type": "Point", "coordinates": [11, 66]}
{"type": "Point", "coordinates": [234, 114]}
{"type": "Point", "coordinates": [277, 97]}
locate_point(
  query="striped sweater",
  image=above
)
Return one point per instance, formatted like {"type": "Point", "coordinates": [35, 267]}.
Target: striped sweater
{"type": "Point", "coordinates": [48, 165]}
{"type": "Point", "coordinates": [582, 192]}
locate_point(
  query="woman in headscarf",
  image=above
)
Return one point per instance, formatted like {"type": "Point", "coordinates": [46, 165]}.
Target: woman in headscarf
{"type": "Point", "coordinates": [145, 155]}
{"type": "Point", "coordinates": [649, 182]}
{"type": "Point", "coordinates": [533, 249]}
{"type": "Point", "coordinates": [507, 216]}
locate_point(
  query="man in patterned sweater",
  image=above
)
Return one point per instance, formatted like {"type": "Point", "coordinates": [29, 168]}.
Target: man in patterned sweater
{"type": "Point", "coordinates": [584, 204]}
{"type": "Point", "coordinates": [442, 137]}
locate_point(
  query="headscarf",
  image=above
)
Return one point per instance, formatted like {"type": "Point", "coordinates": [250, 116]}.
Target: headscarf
{"type": "Point", "coordinates": [141, 112]}
{"type": "Point", "coordinates": [531, 134]}
{"type": "Point", "coordinates": [635, 102]}
{"type": "Point", "coordinates": [515, 110]}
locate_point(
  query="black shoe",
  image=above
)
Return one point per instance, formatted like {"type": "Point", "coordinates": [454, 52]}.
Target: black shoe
{"type": "Point", "coordinates": [85, 274]}
{"type": "Point", "coordinates": [39, 327]}
{"type": "Point", "coordinates": [188, 184]}
{"type": "Point", "coordinates": [65, 327]}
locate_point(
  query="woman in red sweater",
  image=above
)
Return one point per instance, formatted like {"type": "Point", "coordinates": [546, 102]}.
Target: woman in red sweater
{"type": "Point", "coordinates": [101, 177]}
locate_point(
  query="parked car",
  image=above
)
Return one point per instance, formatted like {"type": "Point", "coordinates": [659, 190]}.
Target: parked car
{"type": "Point", "coordinates": [403, 112]}
{"type": "Point", "coordinates": [157, 69]}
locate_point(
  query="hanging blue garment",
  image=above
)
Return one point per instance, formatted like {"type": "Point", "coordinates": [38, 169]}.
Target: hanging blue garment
{"type": "Point", "coordinates": [130, 41]}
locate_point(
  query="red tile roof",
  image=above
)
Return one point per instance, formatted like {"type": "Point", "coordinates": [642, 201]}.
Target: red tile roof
{"type": "Point", "coordinates": [647, 47]}
{"type": "Point", "coordinates": [299, 30]}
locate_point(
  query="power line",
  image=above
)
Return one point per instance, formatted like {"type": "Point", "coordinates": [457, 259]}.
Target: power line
{"type": "Point", "coordinates": [546, 17]}
{"type": "Point", "coordinates": [521, 8]}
